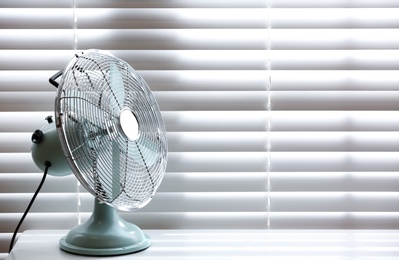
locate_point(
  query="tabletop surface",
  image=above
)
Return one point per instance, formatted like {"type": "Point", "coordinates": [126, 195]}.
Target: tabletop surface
{"type": "Point", "coordinates": [232, 244]}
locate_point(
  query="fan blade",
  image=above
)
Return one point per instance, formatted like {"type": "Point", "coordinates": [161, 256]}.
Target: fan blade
{"type": "Point", "coordinates": [147, 152]}
{"type": "Point", "coordinates": [109, 159]}
{"type": "Point", "coordinates": [116, 86]}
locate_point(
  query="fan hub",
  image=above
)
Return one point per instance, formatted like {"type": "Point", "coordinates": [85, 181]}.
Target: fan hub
{"type": "Point", "coordinates": [129, 124]}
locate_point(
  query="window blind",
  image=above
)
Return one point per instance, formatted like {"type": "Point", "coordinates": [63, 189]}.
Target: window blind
{"type": "Point", "coordinates": [334, 142]}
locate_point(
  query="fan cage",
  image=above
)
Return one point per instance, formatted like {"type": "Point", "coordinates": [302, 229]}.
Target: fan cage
{"type": "Point", "coordinates": [94, 90]}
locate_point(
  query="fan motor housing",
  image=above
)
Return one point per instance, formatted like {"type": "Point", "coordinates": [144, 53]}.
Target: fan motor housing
{"type": "Point", "coordinates": [46, 146]}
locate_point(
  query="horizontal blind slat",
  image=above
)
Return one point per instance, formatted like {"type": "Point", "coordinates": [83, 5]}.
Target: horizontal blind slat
{"type": "Point", "coordinates": [335, 3]}
{"type": "Point", "coordinates": [335, 121]}
{"type": "Point", "coordinates": [235, 18]}
{"type": "Point", "coordinates": [231, 100]}
{"type": "Point", "coordinates": [282, 202]}
{"type": "Point", "coordinates": [332, 80]}
{"type": "Point", "coordinates": [227, 182]}
{"type": "Point", "coordinates": [245, 4]}
{"type": "Point", "coordinates": [224, 80]}
{"type": "Point", "coordinates": [216, 59]}
{"type": "Point", "coordinates": [27, 183]}
{"type": "Point", "coordinates": [204, 4]}
{"type": "Point", "coordinates": [44, 202]}
{"type": "Point", "coordinates": [335, 141]}
{"type": "Point", "coordinates": [335, 100]}
{"type": "Point", "coordinates": [283, 141]}
{"type": "Point", "coordinates": [335, 181]}
{"type": "Point", "coordinates": [15, 142]}
{"type": "Point", "coordinates": [199, 121]}
{"type": "Point", "coordinates": [174, 120]}
{"type": "Point", "coordinates": [335, 161]}
{"type": "Point", "coordinates": [35, 4]}
{"type": "Point", "coordinates": [335, 59]}
{"type": "Point", "coordinates": [227, 161]}
{"type": "Point", "coordinates": [56, 39]}
{"type": "Point", "coordinates": [240, 39]}
{"type": "Point", "coordinates": [227, 202]}
{"type": "Point", "coordinates": [335, 220]}
{"type": "Point", "coordinates": [333, 17]}
{"type": "Point", "coordinates": [281, 182]}
{"type": "Point", "coordinates": [17, 163]}
{"type": "Point", "coordinates": [238, 18]}
{"type": "Point", "coordinates": [299, 161]}
{"type": "Point", "coordinates": [203, 39]}
{"type": "Point", "coordinates": [41, 18]}
{"type": "Point", "coordinates": [335, 202]}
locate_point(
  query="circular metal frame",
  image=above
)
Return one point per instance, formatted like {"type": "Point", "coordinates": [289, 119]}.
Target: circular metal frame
{"type": "Point", "coordinates": [122, 169]}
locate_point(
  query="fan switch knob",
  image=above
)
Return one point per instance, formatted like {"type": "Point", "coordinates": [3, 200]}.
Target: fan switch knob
{"type": "Point", "coordinates": [37, 136]}
{"type": "Point", "coordinates": [49, 119]}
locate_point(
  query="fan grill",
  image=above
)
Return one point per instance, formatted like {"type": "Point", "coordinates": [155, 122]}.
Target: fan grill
{"type": "Point", "coordinates": [94, 90]}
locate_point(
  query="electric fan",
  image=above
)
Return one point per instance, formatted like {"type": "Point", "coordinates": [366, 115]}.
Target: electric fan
{"type": "Point", "coordinates": [109, 131]}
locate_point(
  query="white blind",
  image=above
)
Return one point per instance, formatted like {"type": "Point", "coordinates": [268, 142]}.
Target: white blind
{"type": "Point", "coordinates": [334, 109]}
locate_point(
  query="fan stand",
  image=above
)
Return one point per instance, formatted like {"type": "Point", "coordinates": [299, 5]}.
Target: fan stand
{"type": "Point", "coordinates": [105, 233]}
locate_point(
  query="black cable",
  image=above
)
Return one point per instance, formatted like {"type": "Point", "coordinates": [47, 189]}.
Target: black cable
{"type": "Point", "coordinates": [48, 165]}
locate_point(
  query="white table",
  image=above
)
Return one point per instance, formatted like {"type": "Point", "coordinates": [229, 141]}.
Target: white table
{"type": "Point", "coordinates": [232, 244]}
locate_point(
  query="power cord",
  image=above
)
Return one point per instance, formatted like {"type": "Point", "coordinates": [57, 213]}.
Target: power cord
{"type": "Point", "coordinates": [48, 165]}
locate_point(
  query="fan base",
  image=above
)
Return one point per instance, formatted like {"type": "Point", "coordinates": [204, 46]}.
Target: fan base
{"type": "Point", "coordinates": [105, 251]}
{"type": "Point", "coordinates": [105, 234]}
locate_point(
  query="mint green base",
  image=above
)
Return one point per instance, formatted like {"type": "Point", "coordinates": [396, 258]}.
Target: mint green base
{"type": "Point", "coordinates": [105, 234]}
